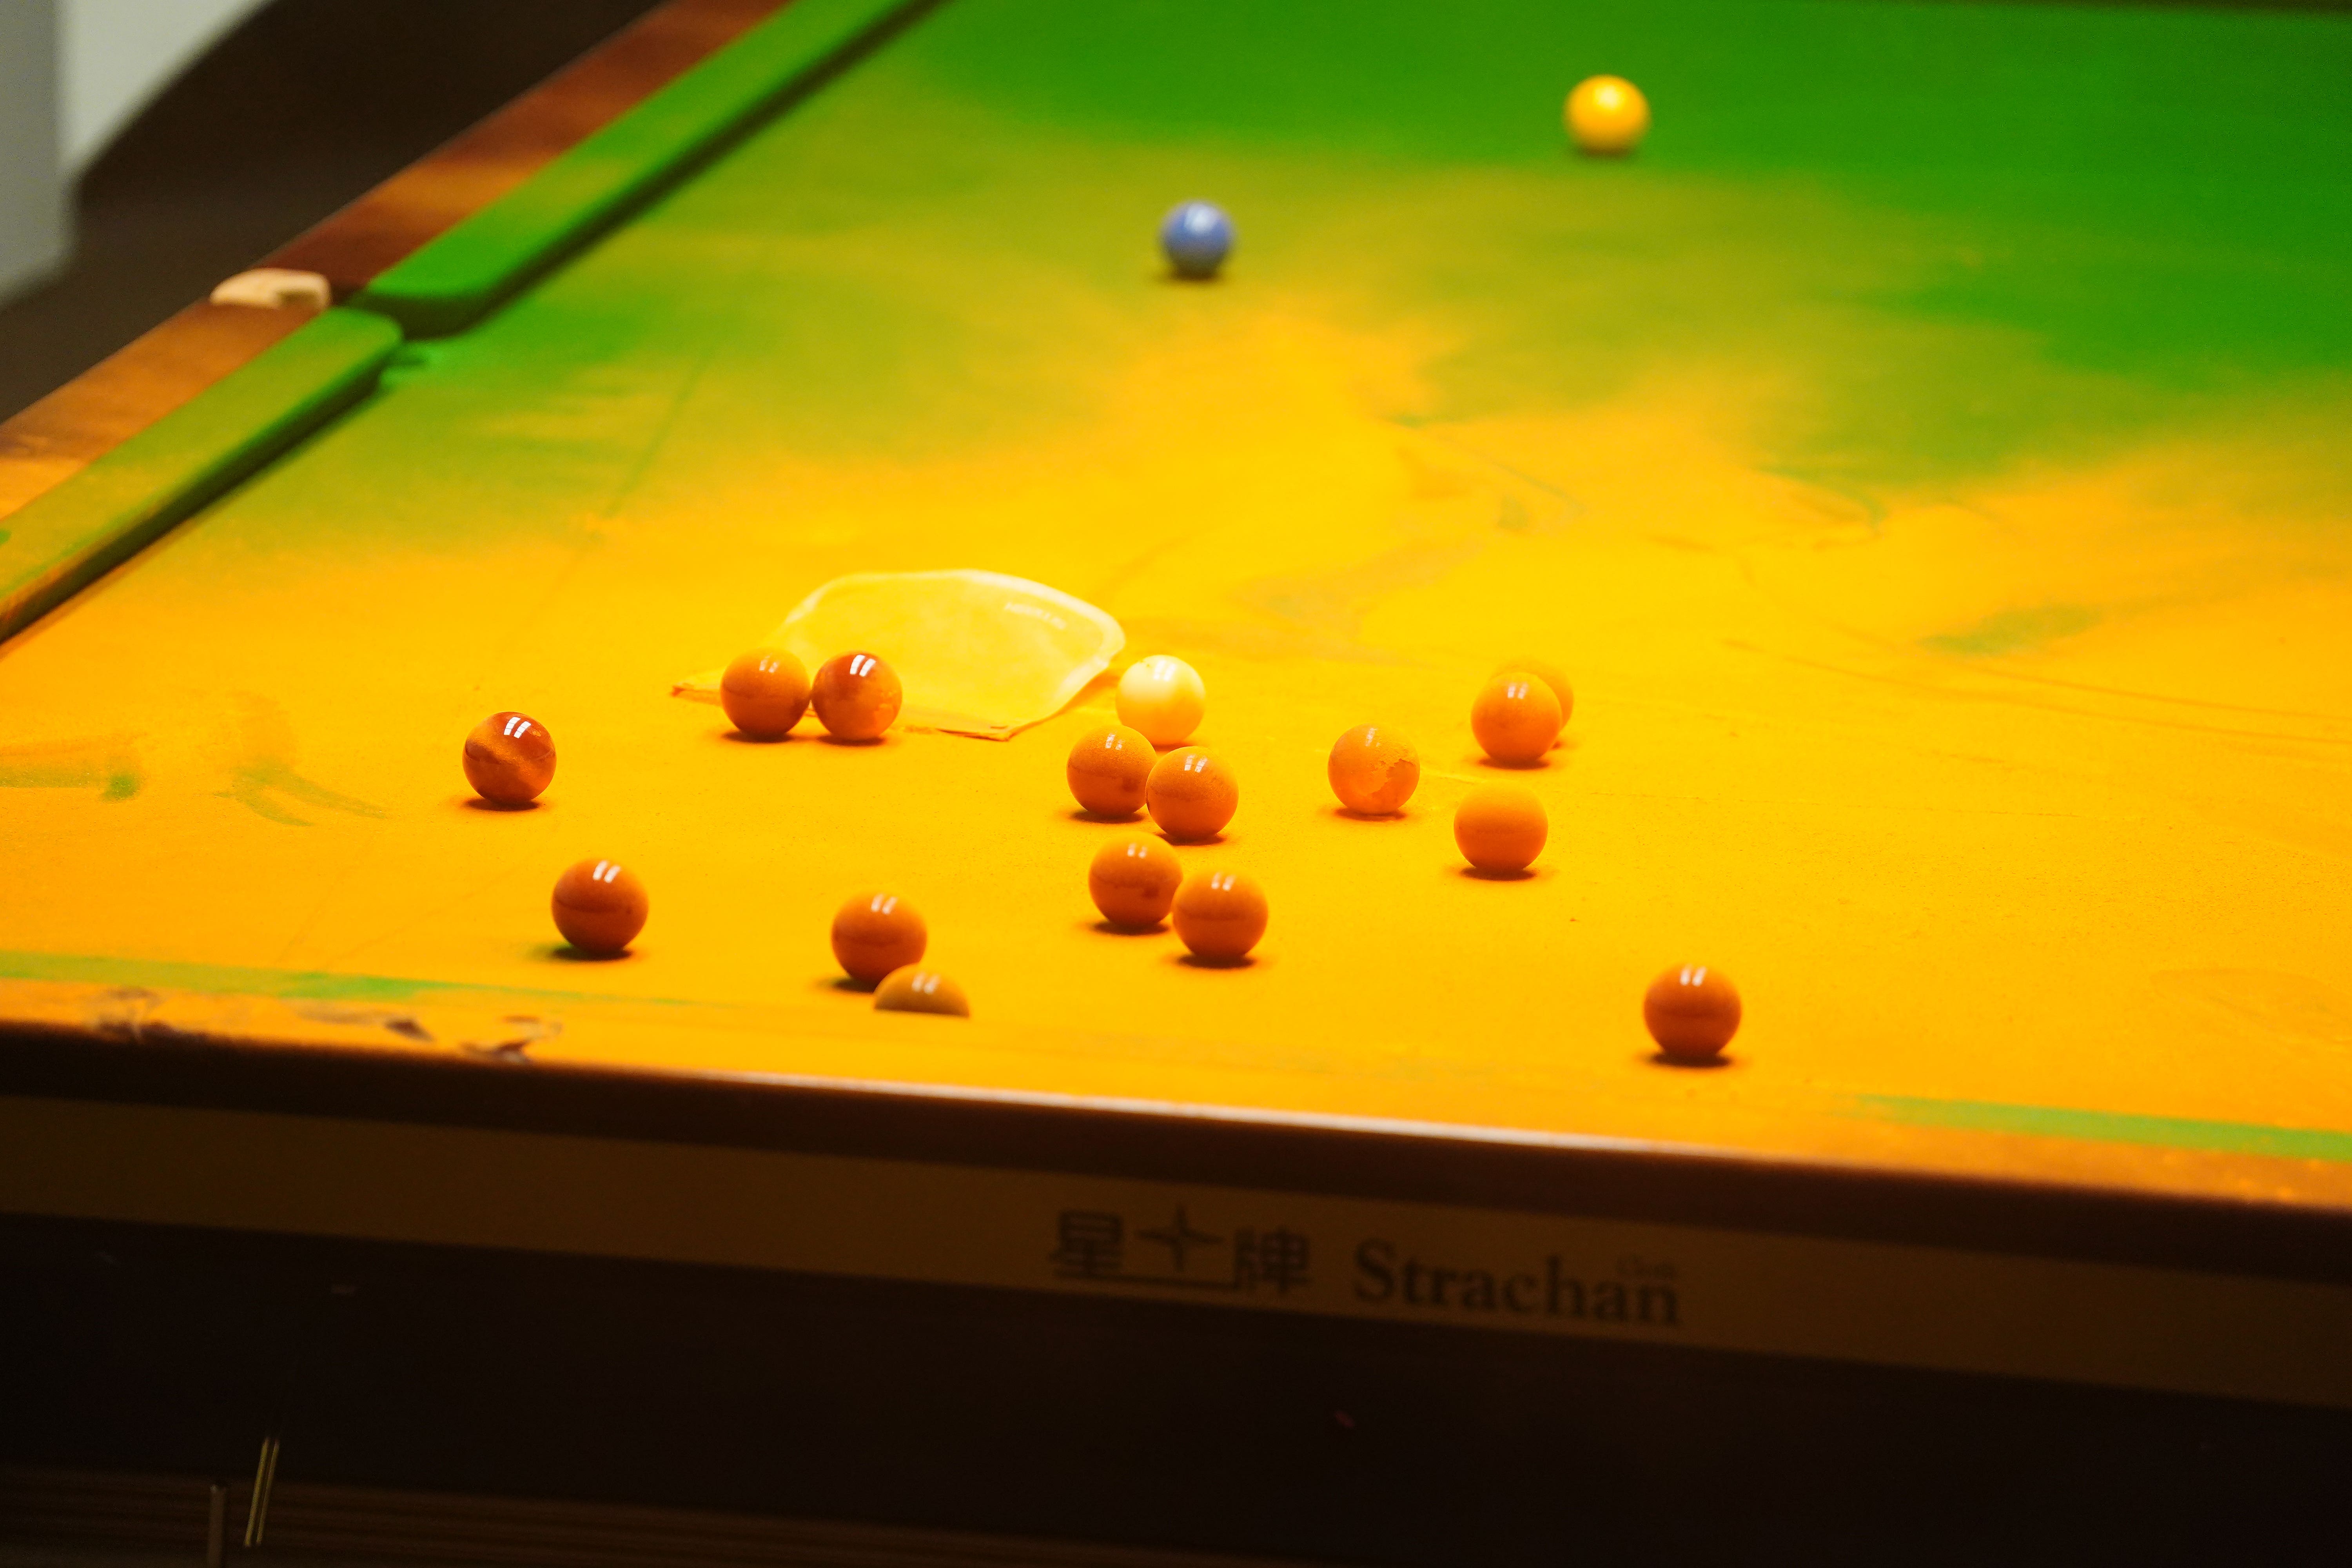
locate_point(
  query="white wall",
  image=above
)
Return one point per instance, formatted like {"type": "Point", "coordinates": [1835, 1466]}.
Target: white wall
{"type": "Point", "coordinates": [32, 197]}
{"type": "Point", "coordinates": [73, 73]}
{"type": "Point", "coordinates": [119, 53]}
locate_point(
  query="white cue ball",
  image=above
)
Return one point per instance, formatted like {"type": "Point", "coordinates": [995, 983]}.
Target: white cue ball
{"type": "Point", "coordinates": [1163, 698]}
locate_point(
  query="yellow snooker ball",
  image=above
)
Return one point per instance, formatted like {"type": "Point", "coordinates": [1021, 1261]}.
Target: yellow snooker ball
{"type": "Point", "coordinates": [914, 989]}
{"type": "Point", "coordinates": [1607, 114]}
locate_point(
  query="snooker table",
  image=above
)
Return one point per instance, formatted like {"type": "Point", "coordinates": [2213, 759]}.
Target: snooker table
{"type": "Point", "coordinates": [1925, 454]}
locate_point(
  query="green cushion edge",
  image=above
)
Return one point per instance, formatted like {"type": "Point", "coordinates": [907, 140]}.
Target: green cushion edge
{"type": "Point", "coordinates": [64, 538]}
{"type": "Point", "coordinates": [2112, 1127]}
{"type": "Point", "coordinates": [452, 282]}
{"type": "Point", "coordinates": [284, 984]}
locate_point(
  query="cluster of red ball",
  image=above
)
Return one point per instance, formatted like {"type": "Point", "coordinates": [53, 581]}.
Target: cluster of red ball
{"type": "Point", "coordinates": [856, 695]}
{"type": "Point", "coordinates": [1114, 772]}
{"type": "Point", "coordinates": [1138, 882]}
{"type": "Point", "coordinates": [1519, 716]}
{"type": "Point", "coordinates": [600, 905]}
{"type": "Point", "coordinates": [878, 940]}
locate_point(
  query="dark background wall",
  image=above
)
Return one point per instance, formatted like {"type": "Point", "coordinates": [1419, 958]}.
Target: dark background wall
{"type": "Point", "coordinates": [305, 106]}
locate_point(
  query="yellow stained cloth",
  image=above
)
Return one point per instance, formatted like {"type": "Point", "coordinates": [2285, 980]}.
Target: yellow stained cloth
{"type": "Point", "coordinates": [980, 653]}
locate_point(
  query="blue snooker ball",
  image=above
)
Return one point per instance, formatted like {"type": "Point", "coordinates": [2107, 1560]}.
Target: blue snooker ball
{"type": "Point", "coordinates": [1197, 237]}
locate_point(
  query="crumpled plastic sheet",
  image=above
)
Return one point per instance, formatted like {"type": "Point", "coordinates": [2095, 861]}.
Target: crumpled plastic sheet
{"type": "Point", "coordinates": [979, 653]}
